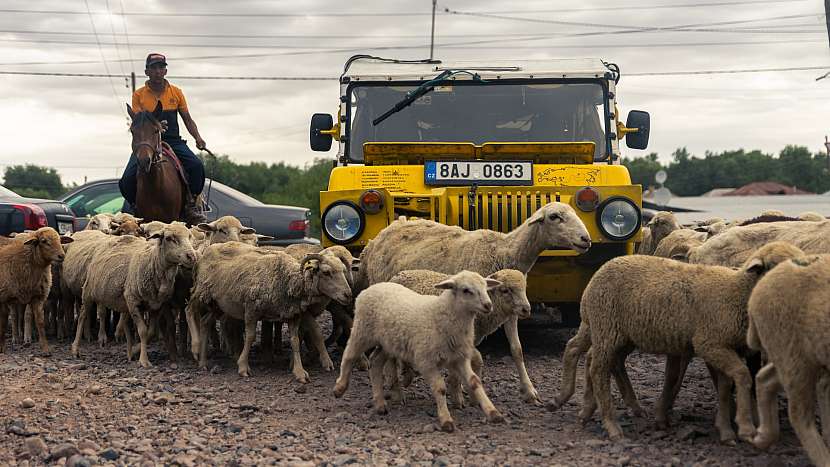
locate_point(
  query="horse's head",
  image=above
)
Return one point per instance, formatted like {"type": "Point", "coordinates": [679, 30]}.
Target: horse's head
{"type": "Point", "coordinates": [146, 129]}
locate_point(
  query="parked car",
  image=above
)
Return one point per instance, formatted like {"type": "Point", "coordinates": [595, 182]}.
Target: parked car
{"type": "Point", "coordinates": [18, 214]}
{"type": "Point", "coordinates": [287, 224]}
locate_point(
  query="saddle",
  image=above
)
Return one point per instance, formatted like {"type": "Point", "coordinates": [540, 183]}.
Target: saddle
{"type": "Point", "coordinates": [167, 152]}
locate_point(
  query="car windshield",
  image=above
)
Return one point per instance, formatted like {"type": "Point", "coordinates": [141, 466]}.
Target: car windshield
{"type": "Point", "coordinates": [96, 199]}
{"type": "Point", "coordinates": [5, 192]}
{"type": "Point", "coordinates": [481, 113]}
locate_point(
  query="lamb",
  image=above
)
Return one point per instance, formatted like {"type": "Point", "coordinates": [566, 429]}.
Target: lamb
{"type": "Point", "coordinates": [790, 321]}
{"type": "Point", "coordinates": [701, 309]}
{"type": "Point", "coordinates": [270, 286]}
{"type": "Point", "coordinates": [427, 332]}
{"type": "Point", "coordinates": [424, 244]}
{"type": "Point", "coordinates": [662, 224]}
{"type": "Point", "coordinates": [128, 227]}
{"type": "Point", "coordinates": [224, 229]}
{"type": "Point", "coordinates": [733, 247]}
{"type": "Point", "coordinates": [26, 277]}
{"type": "Point", "coordinates": [100, 222]}
{"type": "Point", "coordinates": [510, 304]}
{"type": "Point", "coordinates": [679, 243]}
{"type": "Point", "coordinates": [151, 279]}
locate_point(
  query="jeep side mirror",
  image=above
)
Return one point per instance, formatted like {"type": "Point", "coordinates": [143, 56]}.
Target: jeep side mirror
{"type": "Point", "coordinates": [642, 122]}
{"type": "Point", "coordinates": [320, 137]}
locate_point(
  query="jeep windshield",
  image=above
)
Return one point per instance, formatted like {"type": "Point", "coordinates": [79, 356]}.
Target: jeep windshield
{"type": "Point", "coordinates": [467, 111]}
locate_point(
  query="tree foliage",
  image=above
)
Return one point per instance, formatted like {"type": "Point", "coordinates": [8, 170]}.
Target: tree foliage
{"type": "Point", "coordinates": [692, 176]}
{"type": "Point", "coordinates": [33, 181]}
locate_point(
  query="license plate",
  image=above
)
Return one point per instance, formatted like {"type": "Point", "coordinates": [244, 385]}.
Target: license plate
{"type": "Point", "coordinates": [478, 172]}
{"type": "Point", "coordinates": [64, 228]}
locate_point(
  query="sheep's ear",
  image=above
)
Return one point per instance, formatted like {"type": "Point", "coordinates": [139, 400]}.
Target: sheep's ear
{"type": "Point", "coordinates": [311, 264]}
{"type": "Point", "coordinates": [114, 225]}
{"type": "Point", "coordinates": [756, 266]}
{"type": "Point", "coordinates": [492, 283]}
{"type": "Point", "coordinates": [139, 220]}
{"type": "Point", "coordinates": [447, 284]}
{"type": "Point", "coordinates": [65, 239]}
{"type": "Point", "coordinates": [158, 235]}
{"type": "Point", "coordinates": [30, 241]}
{"type": "Point", "coordinates": [264, 238]}
{"type": "Point", "coordinates": [247, 230]}
{"type": "Point", "coordinates": [206, 227]}
{"type": "Point", "coordinates": [537, 217]}
{"type": "Point", "coordinates": [680, 257]}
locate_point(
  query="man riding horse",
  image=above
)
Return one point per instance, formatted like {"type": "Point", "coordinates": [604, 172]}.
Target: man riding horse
{"type": "Point", "coordinates": [158, 90]}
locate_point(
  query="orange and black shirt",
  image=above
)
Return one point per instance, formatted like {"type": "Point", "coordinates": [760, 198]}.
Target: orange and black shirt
{"type": "Point", "coordinates": [172, 102]}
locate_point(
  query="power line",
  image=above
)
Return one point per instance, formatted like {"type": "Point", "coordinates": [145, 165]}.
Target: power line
{"type": "Point", "coordinates": [114, 38]}
{"type": "Point", "coordinates": [101, 50]}
{"type": "Point", "coordinates": [334, 78]}
{"type": "Point", "coordinates": [126, 36]}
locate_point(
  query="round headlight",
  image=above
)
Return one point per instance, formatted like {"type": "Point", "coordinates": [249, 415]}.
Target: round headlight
{"type": "Point", "coordinates": [618, 218]}
{"type": "Point", "coordinates": [343, 222]}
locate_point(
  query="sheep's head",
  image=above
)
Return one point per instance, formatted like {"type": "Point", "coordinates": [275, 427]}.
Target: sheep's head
{"type": "Point", "coordinates": [770, 255]}
{"type": "Point", "coordinates": [345, 256]}
{"type": "Point", "coordinates": [100, 222]}
{"type": "Point", "coordinates": [128, 227]}
{"type": "Point", "coordinates": [176, 245]}
{"type": "Point", "coordinates": [125, 216]}
{"type": "Point", "coordinates": [512, 293]}
{"type": "Point", "coordinates": [48, 244]}
{"type": "Point", "coordinates": [327, 276]}
{"type": "Point", "coordinates": [662, 224]}
{"type": "Point", "coordinates": [561, 227]}
{"type": "Point", "coordinates": [470, 290]}
{"type": "Point", "coordinates": [151, 228]}
{"type": "Point", "coordinates": [225, 229]}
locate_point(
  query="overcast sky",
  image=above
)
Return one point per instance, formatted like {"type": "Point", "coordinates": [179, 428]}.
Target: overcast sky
{"type": "Point", "coordinates": [79, 124]}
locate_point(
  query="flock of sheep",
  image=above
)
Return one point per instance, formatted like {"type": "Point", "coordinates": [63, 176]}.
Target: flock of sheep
{"type": "Point", "coordinates": [423, 295]}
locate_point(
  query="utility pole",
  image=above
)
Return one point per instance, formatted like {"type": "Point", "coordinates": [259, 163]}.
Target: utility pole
{"type": "Point", "coordinates": [132, 75]}
{"type": "Point", "coordinates": [827, 145]}
{"type": "Point", "coordinates": [432, 34]}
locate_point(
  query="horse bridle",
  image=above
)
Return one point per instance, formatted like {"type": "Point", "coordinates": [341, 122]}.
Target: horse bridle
{"type": "Point", "coordinates": [156, 157]}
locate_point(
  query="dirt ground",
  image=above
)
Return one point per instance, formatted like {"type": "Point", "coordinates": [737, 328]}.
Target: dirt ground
{"type": "Point", "coordinates": [100, 409]}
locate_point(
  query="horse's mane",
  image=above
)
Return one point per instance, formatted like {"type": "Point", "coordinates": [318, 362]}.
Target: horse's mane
{"type": "Point", "coordinates": [142, 118]}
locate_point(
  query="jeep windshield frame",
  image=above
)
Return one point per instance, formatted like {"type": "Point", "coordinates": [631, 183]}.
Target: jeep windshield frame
{"type": "Point", "coordinates": [602, 135]}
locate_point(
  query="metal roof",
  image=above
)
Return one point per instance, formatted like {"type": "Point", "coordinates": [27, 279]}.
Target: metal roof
{"type": "Point", "coordinates": [368, 69]}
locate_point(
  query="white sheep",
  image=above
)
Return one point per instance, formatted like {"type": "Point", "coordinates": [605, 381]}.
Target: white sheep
{"type": "Point", "coordinates": [697, 308]}
{"type": "Point", "coordinates": [789, 320]}
{"type": "Point", "coordinates": [428, 332]}
{"type": "Point", "coordinates": [679, 243]}
{"type": "Point", "coordinates": [100, 222]}
{"type": "Point", "coordinates": [662, 224]}
{"type": "Point", "coordinates": [424, 244]}
{"type": "Point", "coordinates": [224, 229]}
{"type": "Point", "coordinates": [267, 285]}
{"type": "Point", "coordinates": [510, 304]}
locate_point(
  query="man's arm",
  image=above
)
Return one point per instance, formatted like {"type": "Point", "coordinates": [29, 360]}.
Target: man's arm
{"type": "Point", "coordinates": [192, 129]}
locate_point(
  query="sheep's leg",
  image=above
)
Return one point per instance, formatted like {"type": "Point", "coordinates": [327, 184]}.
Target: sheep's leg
{"type": "Point", "coordinates": [355, 349]}
{"type": "Point", "coordinates": [102, 325]}
{"type": "Point", "coordinates": [589, 402]}
{"type": "Point", "coordinates": [823, 396]}
{"type": "Point", "coordinates": [767, 387]}
{"type": "Point", "coordinates": [27, 325]}
{"type": "Point", "coordinates": [464, 370]}
{"type": "Point", "coordinates": [511, 330]}
{"type": "Point", "coordinates": [727, 362]}
{"type": "Point", "coordinates": [296, 361]}
{"type": "Point", "coordinates": [191, 312]}
{"type": "Point", "coordinates": [12, 310]}
{"type": "Point", "coordinates": [207, 322]}
{"type": "Point", "coordinates": [67, 312]}
{"type": "Point", "coordinates": [800, 384]}
{"type": "Point", "coordinates": [391, 371]}
{"type": "Point", "coordinates": [378, 363]}
{"type": "Point", "coordinates": [128, 334]}
{"type": "Point", "coordinates": [315, 335]}
{"type": "Point", "coordinates": [250, 336]}
{"type": "Point", "coordinates": [83, 316]}
{"type": "Point", "coordinates": [184, 329]}
{"type": "Point", "coordinates": [4, 322]}
{"type": "Point", "coordinates": [169, 331]}
{"type": "Point", "coordinates": [600, 374]}
{"type": "Point", "coordinates": [137, 315]}
{"type": "Point", "coordinates": [88, 327]}
{"type": "Point", "coordinates": [577, 345]}
{"type": "Point", "coordinates": [408, 374]}
{"type": "Point", "coordinates": [37, 311]}
{"type": "Point", "coordinates": [723, 386]}
{"type": "Point", "coordinates": [439, 392]}
{"type": "Point", "coordinates": [676, 366]}
{"type": "Point", "coordinates": [120, 329]}
{"type": "Point", "coordinates": [455, 390]}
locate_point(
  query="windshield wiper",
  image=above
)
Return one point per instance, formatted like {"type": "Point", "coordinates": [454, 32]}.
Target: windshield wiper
{"type": "Point", "coordinates": [424, 88]}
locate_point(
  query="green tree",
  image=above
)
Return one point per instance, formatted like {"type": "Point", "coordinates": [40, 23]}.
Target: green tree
{"type": "Point", "coordinates": [33, 181]}
{"type": "Point", "coordinates": [642, 169]}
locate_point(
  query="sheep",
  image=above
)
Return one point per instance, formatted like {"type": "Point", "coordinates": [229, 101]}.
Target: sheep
{"type": "Point", "coordinates": [424, 244]}
{"type": "Point", "coordinates": [100, 222]}
{"type": "Point", "coordinates": [772, 213]}
{"type": "Point", "coordinates": [700, 308]}
{"type": "Point", "coordinates": [789, 320]}
{"type": "Point", "coordinates": [733, 247]}
{"type": "Point", "coordinates": [269, 286]}
{"type": "Point", "coordinates": [811, 216]}
{"type": "Point", "coordinates": [122, 217]}
{"type": "Point", "coordinates": [510, 304]}
{"type": "Point", "coordinates": [662, 224]}
{"type": "Point", "coordinates": [26, 277]}
{"type": "Point", "coordinates": [427, 332]}
{"type": "Point", "coordinates": [151, 279]}
{"type": "Point", "coordinates": [678, 244]}
{"type": "Point", "coordinates": [128, 227]}
{"type": "Point", "coordinates": [224, 229]}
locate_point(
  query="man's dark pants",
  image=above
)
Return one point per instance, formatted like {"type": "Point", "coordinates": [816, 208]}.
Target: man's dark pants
{"type": "Point", "coordinates": [192, 165]}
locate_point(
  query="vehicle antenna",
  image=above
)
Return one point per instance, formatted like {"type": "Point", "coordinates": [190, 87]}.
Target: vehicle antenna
{"type": "Point", "coordinates": [432, 34]}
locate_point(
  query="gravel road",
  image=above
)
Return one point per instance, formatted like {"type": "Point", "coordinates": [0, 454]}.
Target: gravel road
{"type": "Point", "coordinates": [99, 409]}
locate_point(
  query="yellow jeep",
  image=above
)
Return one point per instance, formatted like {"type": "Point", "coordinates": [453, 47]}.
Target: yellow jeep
{"type": "Point", "coordinates": [483, 146]}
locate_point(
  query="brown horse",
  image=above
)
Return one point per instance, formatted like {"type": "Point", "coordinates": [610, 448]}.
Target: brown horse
{"type": "Point", "coordinates": [161, 193]}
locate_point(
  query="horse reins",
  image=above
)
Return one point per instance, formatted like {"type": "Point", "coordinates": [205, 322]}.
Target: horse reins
{"type": "Point", "coordinates": [156, 157]}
